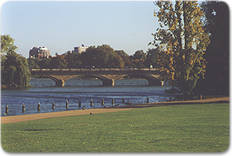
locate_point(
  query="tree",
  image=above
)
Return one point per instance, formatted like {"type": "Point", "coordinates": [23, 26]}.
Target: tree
{"type": "Point", "coordinates": [217, 55]}
{"type": "Point", "coordinates": [14, 67]}
{"type": "Point", "coordinates": [116, 61]}
{"type": "Point", "coordinates": [102, 56]}
{"type": "Point", "coordinates": [45, 63]}
{"type": "Point", "coordinates": [125, 58]}
{"type": "Point", "coordinates": [151, 57]}
{"type": "Point", "coordinates": [73, 60]}
{"type": "Point", "coordinates": [7, 44]}
{"type": "Point", "coordinates": [138, 59]}
{"type": "Point", "coordinates": [58, 62]}
{"type": "Point", "coordinates": [182, 43]}
{"type": "Point", "coordinates": [33, 63]}
{"type": "Point", "coordinates": [16, 73]}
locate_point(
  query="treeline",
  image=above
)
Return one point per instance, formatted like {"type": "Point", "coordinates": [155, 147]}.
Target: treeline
{"type": "Point", "coordinates": [99, 57]}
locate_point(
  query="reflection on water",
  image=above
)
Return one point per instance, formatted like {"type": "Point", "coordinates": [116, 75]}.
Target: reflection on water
{"type": "Point", "coordinates": [42, 82]}
{"type": "Point", "coordinates": [82, 82]}
{"type": "Point", "coordinates": [81, 90]}
{"type": "Point", "coordinates": [46, 82]}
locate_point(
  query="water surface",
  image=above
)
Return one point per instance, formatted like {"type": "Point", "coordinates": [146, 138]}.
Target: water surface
{"type": "Point", "coordinates": [44, 92]}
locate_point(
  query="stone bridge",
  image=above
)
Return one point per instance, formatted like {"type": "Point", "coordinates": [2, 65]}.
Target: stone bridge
{"type": "Point", "coordinates": [106, 75]}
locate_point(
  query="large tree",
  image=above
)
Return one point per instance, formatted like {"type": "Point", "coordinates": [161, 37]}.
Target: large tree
{"type": "Point", "coordinates": [217, 55]}
{"type": "Point", "coordinates": [15, 71]}
{"type": "Point", "coordinates": [182, 42]}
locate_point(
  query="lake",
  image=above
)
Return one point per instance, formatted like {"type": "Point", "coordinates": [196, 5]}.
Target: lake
{"type": "Point", "coordinates": [43, 91]}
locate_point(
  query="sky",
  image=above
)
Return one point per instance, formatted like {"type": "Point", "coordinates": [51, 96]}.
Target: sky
{"type": "Point", "coordinates": [61, 26]}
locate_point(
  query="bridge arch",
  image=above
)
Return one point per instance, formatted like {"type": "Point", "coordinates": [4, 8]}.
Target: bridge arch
{"type": "Point", "coordinates": [105, 80]}
{"type": "Point", "coordinates": [58, 82]}
{"type": "Point", "coordinates": [152, 81]}
{"type": "Point", "coordinates": [83, 80]}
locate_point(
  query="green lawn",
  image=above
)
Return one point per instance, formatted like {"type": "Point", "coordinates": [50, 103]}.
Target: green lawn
{"type": "Point", "coordinates": [178, 128]}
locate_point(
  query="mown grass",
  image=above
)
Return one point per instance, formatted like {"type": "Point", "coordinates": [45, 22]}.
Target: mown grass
{"type": "Point", "coordinates": [179, 128]}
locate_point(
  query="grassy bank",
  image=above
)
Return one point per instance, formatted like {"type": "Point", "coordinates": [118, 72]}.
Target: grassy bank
{"type": "Point", "coordinates": [178, 128]}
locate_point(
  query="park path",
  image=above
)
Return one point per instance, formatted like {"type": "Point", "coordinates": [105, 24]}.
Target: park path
{"type": "Point", "coordinates": [28, 117]}
{"type": "Point", "coordinates": [202, 101]}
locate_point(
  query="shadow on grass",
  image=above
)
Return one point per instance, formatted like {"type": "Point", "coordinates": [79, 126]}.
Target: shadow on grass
{"type": "Point", "coordinates": [38, 130]}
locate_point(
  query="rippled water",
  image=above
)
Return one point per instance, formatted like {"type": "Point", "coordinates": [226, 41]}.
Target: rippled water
{"type": "Point", "coordinates": [43, 92]}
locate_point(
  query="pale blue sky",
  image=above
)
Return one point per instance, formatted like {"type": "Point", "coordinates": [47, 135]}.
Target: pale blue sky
{"type": "Point", "coordinates": [62, 25]}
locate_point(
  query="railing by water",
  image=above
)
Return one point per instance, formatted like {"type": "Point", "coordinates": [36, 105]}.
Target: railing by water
{"type": "Point", "coordinates": [77, 106]}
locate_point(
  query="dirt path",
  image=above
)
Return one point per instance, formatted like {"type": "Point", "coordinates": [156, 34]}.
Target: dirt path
{"type": "Point", "coordinates": [28, 117]}
{"type": "Point", "coordinates": [205, 101]}
{"type": "Point", "coordinates": [20, 118]}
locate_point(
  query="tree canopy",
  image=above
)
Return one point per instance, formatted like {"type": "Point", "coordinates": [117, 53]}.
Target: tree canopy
{"type": "Point", "coordinates": [217, 55]}
{"type": "Point", "coordinates": [182, 43]}
{"type": "Point", "coordinates": [7, 44]}
{"type": "Point", "coordinates": [15, 71]}
{"type": "Point", "coordinates": [14, 67]}
{"type": "Point", "coordinates": [151, 58]}
{"type": "Point", "coordinates": [102, 56]}
{"type": "Point", "coordinates": [138, 59]}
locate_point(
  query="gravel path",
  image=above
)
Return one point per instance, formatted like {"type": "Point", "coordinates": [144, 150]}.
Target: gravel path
{"type": "Point", "coordinates": [28, 117]}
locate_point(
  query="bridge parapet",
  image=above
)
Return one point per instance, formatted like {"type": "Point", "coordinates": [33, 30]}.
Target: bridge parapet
{"type": "Point", "coordinates": [95, 70]}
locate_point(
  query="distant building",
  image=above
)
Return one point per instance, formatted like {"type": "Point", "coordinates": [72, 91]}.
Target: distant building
{"type": "Point", "coordinates": [39, 52]}
{"type": "Point", "coordinates": [80, 49]}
